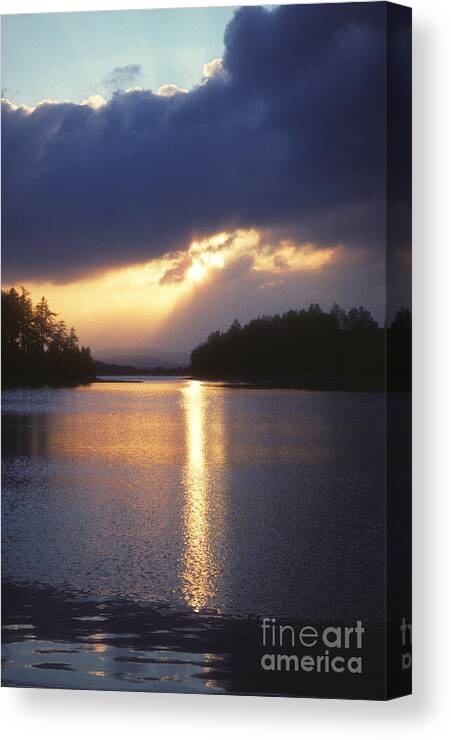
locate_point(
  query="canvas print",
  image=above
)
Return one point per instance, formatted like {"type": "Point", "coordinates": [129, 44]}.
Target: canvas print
{"type": "Point", "coordinates": [206, 332]}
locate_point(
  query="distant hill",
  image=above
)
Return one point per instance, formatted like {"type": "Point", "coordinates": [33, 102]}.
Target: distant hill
{"type": "Point", "coordinates": [104, 368]}
{"type": "Point", "coordinates": [151, 358]}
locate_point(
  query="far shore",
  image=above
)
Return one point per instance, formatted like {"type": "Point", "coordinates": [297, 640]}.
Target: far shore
{"type": "Point", "coordinates": [302, 384]}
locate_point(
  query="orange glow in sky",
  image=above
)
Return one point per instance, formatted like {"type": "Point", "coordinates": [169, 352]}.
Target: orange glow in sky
{"type": "Point", "coordinates": [120, 304]}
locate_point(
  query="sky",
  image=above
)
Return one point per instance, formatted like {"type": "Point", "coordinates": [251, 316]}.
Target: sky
{"type": "Point", "coordinates": [165, 172]}
{"type": "Point", "coordinates": [69, 56]}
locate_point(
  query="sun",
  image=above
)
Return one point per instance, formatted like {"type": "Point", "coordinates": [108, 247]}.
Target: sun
{"type": "Point", "coordinates": [203, 263]}
{"type": "Point", "coordinates": [196, 272]}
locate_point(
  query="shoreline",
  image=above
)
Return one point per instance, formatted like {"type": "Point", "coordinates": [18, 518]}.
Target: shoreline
{"type": "Point", "coordinates": [291, 384]}
{"type": "Point", "coordinates": [237, 383]}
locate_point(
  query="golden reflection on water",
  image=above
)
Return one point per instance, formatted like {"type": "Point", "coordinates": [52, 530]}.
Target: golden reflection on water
{"type": "Point", "coordinates": [140, 471]}
{"type": "Point", "coordinates": [197, 579]}
{"type": "Point", "coordinates": [96, 642]}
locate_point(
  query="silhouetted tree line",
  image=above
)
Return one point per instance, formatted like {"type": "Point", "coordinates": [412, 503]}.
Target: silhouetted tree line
{"type": "Point", "coordinates": [37, 347]}
{"type": "Point", "coordinates": [311, 348]}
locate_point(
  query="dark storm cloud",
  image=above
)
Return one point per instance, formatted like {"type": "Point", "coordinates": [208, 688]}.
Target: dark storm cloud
{"type": "Point", "coordinates": [123, 77]}
{"type": "Point", "coordinates": [291, 138]}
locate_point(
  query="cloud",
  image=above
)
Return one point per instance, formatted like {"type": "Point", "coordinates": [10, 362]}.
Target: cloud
{"type": "Point", "coordinates": [243, 249]}
{"type": "Point", "coordinates": [215, 68]}
{"type": "Point", "coordinates": [171, 89]}
{"type": "Point", "coordinates": [94, 101]}
{"type": "Point", "coordinates": [123, 77]}
{"type": "Point", "coordinates": [291, 140]}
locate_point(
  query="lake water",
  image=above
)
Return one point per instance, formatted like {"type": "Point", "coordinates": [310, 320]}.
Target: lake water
{"type": "Point", "coordinates": [138, 518]}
